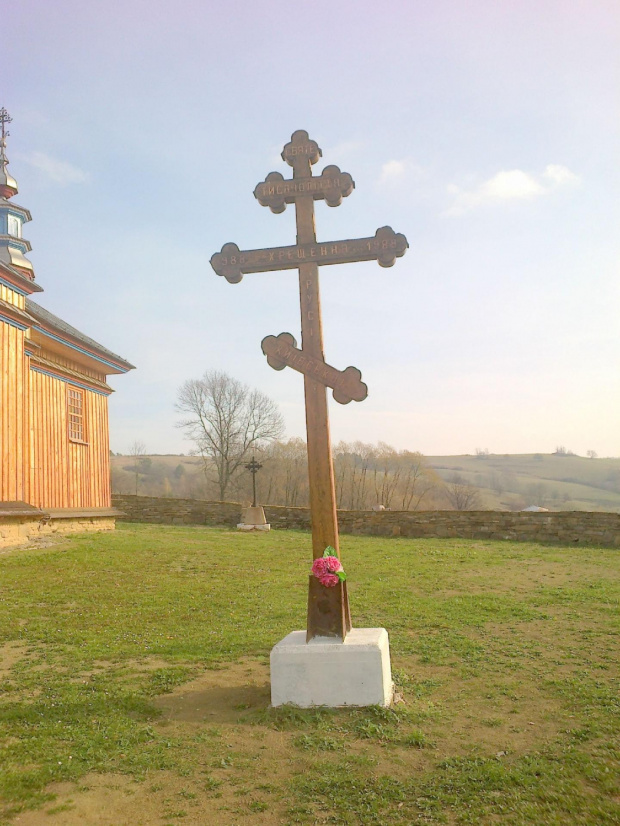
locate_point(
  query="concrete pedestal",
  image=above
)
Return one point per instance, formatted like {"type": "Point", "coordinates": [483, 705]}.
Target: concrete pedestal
{"type": "Point", "coordinates": [327, 672]}
{"type": "Point", "coordinates": [253, 519]}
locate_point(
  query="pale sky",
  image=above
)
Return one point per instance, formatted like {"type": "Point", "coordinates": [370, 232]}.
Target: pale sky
{"type": "Point", "coordinates": [487, 132]}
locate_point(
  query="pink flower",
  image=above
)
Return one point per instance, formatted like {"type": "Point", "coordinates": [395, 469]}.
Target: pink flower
{"type": "Point", "coordinates": [328, 570]}
{"type": "Point", "coordinates": [332, 564]}
{"type": "Point", "coordinates": [319, 567]}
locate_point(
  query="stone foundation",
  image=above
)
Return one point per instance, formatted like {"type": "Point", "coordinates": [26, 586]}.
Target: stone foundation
{"type": "Point", "coordinates": [21, 523]}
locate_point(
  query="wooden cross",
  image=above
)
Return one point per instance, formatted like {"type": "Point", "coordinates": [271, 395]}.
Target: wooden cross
{"type": "Point", "coordinates": [4, 119]}
{"type": "Point", "coordinates": [253, 467]}
{"type": "Point", "coordinates": [328, 608]}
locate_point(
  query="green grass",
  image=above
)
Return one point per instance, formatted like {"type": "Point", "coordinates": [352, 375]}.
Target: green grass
{"type": "Point", "coordinates": [505, 656]}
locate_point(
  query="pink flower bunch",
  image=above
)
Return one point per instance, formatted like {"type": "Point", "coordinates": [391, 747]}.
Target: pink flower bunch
{"type": "Point", "coordinates": [328, 570]}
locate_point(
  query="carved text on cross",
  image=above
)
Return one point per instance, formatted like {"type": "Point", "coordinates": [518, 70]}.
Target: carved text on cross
{"type": "Point", "coordinates": [384, 247]}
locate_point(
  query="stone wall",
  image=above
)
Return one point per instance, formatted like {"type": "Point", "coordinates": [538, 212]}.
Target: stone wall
{"type": "Point", "coordinates": [565, 527]}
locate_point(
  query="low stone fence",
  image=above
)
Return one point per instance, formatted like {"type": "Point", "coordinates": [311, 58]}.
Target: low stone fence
{"type": "Point", "coordinates": [564, 527]}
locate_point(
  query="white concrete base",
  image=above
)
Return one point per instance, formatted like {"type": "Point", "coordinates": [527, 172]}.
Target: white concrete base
{"type": "Point", "coordinates": [327, 672]}
{"type": "Point", "coordinates": [243, 527]}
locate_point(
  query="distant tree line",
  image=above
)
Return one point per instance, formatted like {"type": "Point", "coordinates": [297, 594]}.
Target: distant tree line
{"type": "Point", "coordinates": [228, 423]}
{"type": "Point", "coordinates": [366, 476]}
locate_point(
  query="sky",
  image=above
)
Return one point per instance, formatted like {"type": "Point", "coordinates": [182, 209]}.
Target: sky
{"type": "Point", "coordinates": [486, 132]}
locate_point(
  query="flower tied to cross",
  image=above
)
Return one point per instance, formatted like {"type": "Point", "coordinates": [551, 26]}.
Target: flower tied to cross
{"type": "Point", "coordinates": [327, 568]}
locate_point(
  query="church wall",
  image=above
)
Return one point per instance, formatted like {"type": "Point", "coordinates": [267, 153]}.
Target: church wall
{"type": "Point", "coordinates": [66, 472]}
{"type": "Point", "coordinates": [12, 418]}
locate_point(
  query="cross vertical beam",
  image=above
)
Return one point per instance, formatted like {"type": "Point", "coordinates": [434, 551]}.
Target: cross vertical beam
{"type": "Point", "coordinates": [328, 610]}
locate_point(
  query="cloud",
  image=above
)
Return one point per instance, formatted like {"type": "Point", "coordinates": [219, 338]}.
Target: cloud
{"type": "Point", "coordinates": [60, 172]}
{"type": "Point", "coordinates": [560, 175]}
{"type": "Point", "coordinates": [396, 172]}
{"type": "Point", "coordinates": [510, 185]}
{"type": "Point", "coordinates": [343, 153]}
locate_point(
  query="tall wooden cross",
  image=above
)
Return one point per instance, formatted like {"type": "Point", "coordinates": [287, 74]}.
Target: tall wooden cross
{"type": "Point", "coordinates": [328, 607]}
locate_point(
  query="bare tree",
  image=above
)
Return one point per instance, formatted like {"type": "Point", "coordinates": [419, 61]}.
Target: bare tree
{"type": "Point", "coordinates": [138, 451]}
{"type": "Point", "coordinates": [352, 463]}
{"type": "Point", "coordinates": [285, 473]}
{"type": "Point", "coordinates": [225, 420]}
{"type": "Point", "coordinates": [418, 481]}
{"type": "Point", "coordinates": [386, 476]}
{"type": "Point", "coordinates": [461, 495]}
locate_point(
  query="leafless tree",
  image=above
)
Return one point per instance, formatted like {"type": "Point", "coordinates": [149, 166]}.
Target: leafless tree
{"type": "Point", "coordinates": [461, 495]}
{"type": "Point", "coordinates": [225, 420]}
{"type": "Point", "coordinates": [285, 473]}
{"type": "Point", "coordinates": [417, 480]}
{"type": "Point", "coordinates": [352, 463]}
{"type": "Point", "coordinates": [386, 474]}
{"type": "Point", "coordinates": [137, 451]}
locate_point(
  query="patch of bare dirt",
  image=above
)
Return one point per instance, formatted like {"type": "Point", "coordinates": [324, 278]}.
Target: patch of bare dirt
{"type": "Point", "coordinates": [10, 654]}
{"type": "Point", "coordinates": [218, 696]}
{"type": "Point", "coordinates": [240, 770]}
{"type": "Point", "coordinates": [42, 544]}
{"type": "Point", "coordinates": [163, 800]}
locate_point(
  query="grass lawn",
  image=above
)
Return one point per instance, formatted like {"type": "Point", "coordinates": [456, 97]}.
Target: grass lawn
{"type": "Point", "coordinates": [134, 684]}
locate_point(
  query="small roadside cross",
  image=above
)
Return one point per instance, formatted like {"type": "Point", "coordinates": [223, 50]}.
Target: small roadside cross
{"type": "Point", "coordinates": [253, 467]}
{"type": "Point", "coordinates": [328, 607]}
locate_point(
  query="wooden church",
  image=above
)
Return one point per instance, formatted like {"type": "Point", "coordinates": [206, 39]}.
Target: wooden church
{"type": "Point", "coordinates": [54, 438]}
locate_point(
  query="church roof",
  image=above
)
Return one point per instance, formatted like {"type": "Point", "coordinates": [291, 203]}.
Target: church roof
{"type": "Point", "coordinates": [20, 280]}
{"type": "Point", "coordinates": [49, 320]}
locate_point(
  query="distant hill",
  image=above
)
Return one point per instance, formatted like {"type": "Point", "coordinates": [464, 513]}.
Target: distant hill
{"type": "Point", "coordinates": [555, 481]}
{"type": "Point", "coordinates": [505, 481]}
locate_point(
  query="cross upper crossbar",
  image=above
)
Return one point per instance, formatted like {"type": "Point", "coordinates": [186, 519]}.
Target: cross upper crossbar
{"type": "Point", "coordinates": [332, 185]}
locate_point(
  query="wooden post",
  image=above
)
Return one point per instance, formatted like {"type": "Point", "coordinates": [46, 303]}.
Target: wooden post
{"type": "Point", "coordinates": [328, 608]}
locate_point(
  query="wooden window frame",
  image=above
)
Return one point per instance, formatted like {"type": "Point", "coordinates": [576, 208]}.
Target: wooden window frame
{"type": "Point", "coordinates": [76, 420]}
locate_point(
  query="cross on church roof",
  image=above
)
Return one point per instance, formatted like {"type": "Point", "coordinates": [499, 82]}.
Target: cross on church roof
{"type": "Point", "coordinates": [5, 118]}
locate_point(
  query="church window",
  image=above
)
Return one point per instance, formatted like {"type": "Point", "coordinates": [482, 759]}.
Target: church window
{"type": "Point", "coordinates": [75, 407]}
{"type": "Point", "coordinates": [14, 226]}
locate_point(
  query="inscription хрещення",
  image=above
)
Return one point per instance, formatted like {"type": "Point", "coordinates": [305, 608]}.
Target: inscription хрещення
{"type": "Point", "coordinates": [385, 246]}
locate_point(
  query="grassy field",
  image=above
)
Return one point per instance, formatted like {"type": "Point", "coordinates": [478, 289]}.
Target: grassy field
{"type": "Point", "coordinates": [557, 482]}
{"type": "Point", "coordinates": [135, 686]}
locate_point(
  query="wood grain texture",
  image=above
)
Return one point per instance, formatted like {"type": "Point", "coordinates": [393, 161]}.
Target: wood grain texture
{"type": "Point", "coordinates": [39, 464]}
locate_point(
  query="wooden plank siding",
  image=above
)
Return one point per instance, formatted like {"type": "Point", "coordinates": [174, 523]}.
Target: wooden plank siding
{"type": "Point", "coordinates": [65, 473]}
{"type": "Point", "coordinates": [12, 418]}
{"type": "Point", "coordinates": [41, 462]}
{"type": "Point", "coordinates": [12, 297]}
